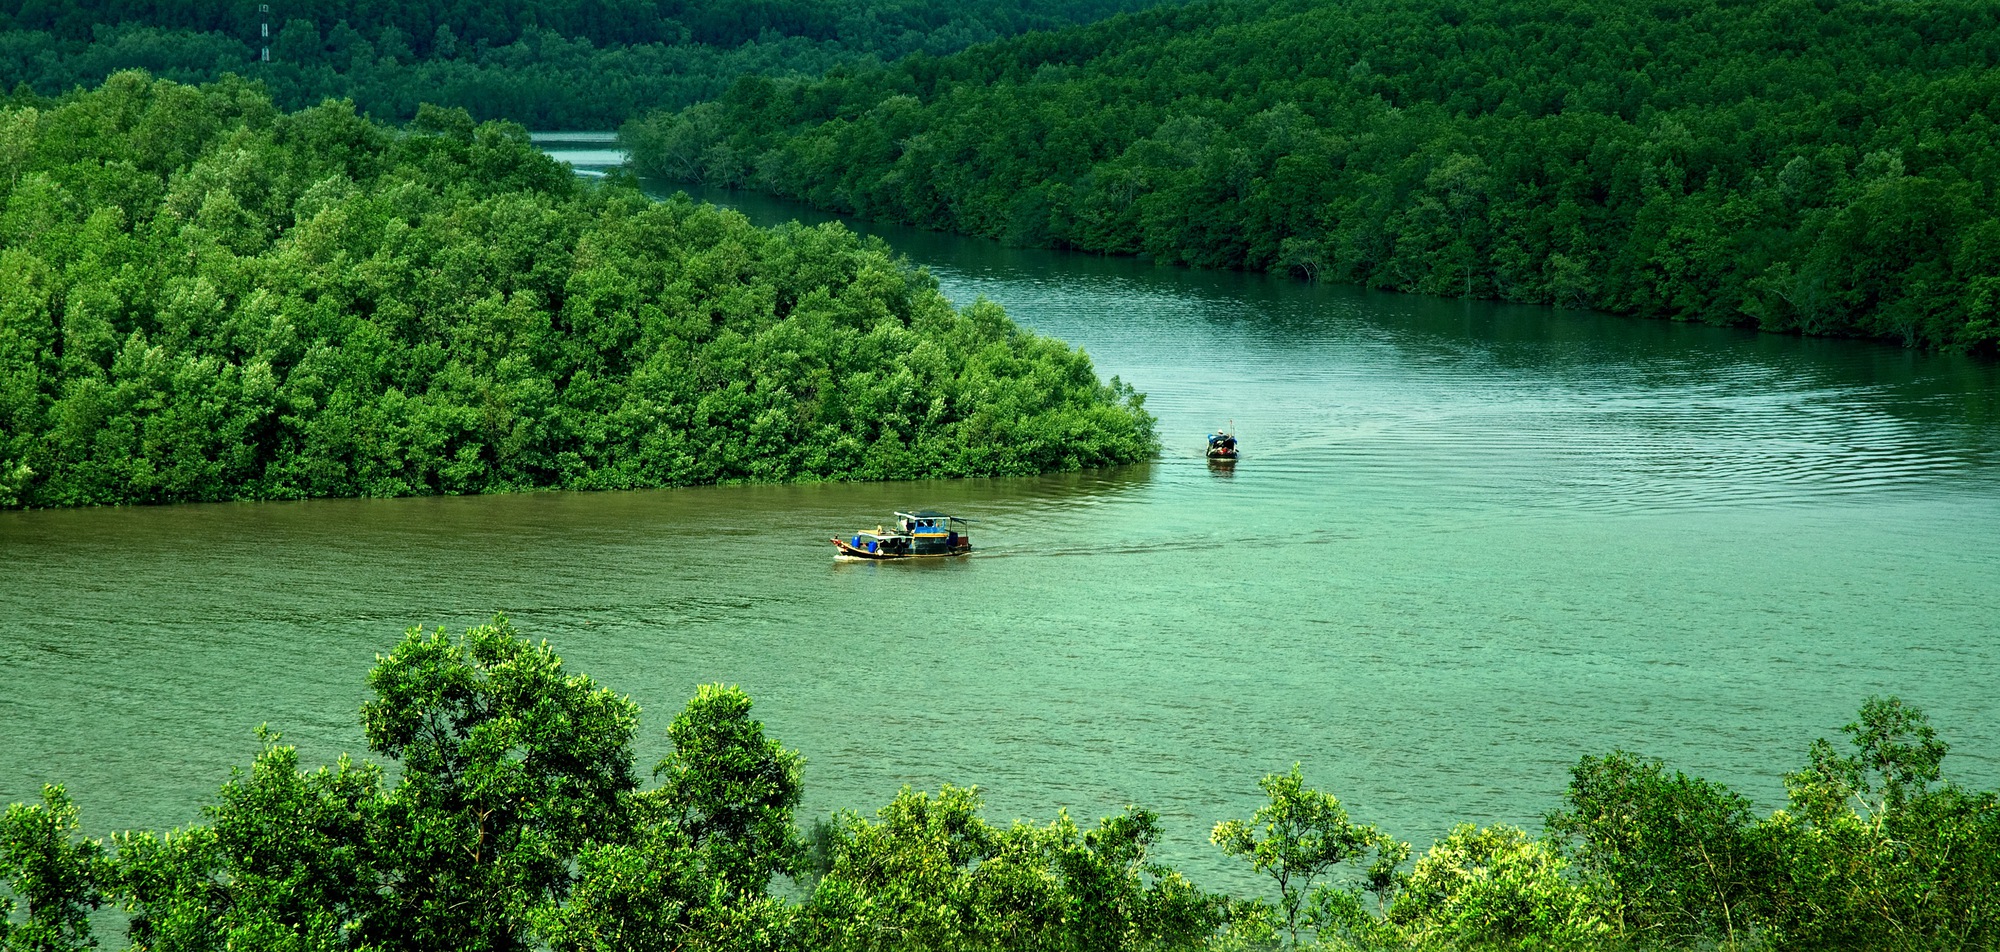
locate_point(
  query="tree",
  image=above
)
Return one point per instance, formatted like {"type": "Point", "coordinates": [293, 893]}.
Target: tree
{"type": "Point", "coordinates": [1897, 756]}
{"type": "Point", "coordinates": [928, 873]}
{"type": "Point", "coordinates": [730, 791]}
{"type": "Point", "coordinates": [1675, 854]}
{"type": "Point", "coordinates": [657, 894]}
{"type": "Point", "coordinates": [1300, 836]}
{"type": "Point", "coordinates": [1495, 888]}
{"type": "Point", "coordinates": [59, 876]}
{"type": "Point", "coordinates": [298, 41]}
{"type": "Point", "coordinates": [290, 859]}
{"type": "Point", "coordinates": [705, 845]}
{"type": "Point", "coordinates": [1878, 850]}
{"type": "Point", "coordinates": [444, 44]}
{"type": "Point", "coordinates": [510, 766]}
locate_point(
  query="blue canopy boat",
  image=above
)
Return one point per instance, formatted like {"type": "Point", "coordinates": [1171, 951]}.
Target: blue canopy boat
{"type": "Point", "coordinates": [923, 534]}
{"type": "Point", "coordinates": [1222, 447]}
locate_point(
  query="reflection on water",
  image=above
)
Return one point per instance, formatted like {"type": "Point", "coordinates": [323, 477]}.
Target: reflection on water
{"type": "Point", "coordinates": [1467, 544]}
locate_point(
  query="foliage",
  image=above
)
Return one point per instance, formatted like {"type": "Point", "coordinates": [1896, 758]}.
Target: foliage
{"type": "Point", "coordinates": [202, 298]}
{"type": "Point", "coordinates": [1871, 855]}
{"type": "Point", "coordinates": [56, 875]}
{"type": "Point", "coordinates": [550, 64]}
{"type": "Point", "coordinates": [930, 874]}
{"type": "Point", "coordinates": [1818, 168]}
{"type": "Point", "coordinates": [1495, 887]}
{"type": "Point", "coordinates": [290, 860]}
{"type": "Point", "coordinates": [1676, 856]}
{"type": "Point", "coordinates": [655, 895]}
{"type": "Point", "coordinates": [1897, 756]}
{"type": "Point", "coordinates": [731, 791]}
{"type": "Point", "coordinates": [708, 840]}
{"type": "Point", "coordinates": [510, 767]}
{"type": "Point", "coordinates": [1300, 836]}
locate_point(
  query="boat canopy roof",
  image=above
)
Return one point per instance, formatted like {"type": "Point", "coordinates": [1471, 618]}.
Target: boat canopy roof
{"type": "Point", "coordinates": [926, 514]}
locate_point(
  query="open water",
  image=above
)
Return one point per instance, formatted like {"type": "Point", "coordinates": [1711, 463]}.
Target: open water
{"type": "Point", "coordinates": [1467, 544]}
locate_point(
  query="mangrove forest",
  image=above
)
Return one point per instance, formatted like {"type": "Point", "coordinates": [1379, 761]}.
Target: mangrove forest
{"type": "Point", "coordinates": [1802, 166]}
{"type": "Point", "coordinates": [574, 64]}
{"type": "Point", "coordinates": [205, 298]}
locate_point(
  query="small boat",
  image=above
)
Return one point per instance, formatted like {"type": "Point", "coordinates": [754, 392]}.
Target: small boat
{"type": "Point", "coordinates": [1222, 447]}
{"type": "Point", "coordinates": [924, 534]}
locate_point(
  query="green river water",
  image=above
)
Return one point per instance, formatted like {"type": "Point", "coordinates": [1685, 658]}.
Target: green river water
{"type": "Point", "coordinates": [1467, 544]}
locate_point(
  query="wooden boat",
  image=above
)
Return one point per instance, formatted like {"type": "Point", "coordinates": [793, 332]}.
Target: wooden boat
{"type": "Point", "coordinates": [1222, 447]}
{"type": "Point", "coordinates": [923, 534]}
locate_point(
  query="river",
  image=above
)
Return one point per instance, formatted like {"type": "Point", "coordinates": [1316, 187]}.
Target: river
{"type": "Point", "coordinates": [1467, 544]}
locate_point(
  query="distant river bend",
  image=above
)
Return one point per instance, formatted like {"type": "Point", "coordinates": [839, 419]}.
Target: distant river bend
{"type": "Point", "coordinates": [1467, 544]}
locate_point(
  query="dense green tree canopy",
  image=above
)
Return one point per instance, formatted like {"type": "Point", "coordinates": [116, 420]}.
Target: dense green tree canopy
{"type": "Point", "coordinates": [204, 298]}
{"type": "Point", "coordinates": [547, 63]}
{"type": "Point", "coordinates": [1811, 166]}
{"type": "Point", "coordinates": [867, 24]}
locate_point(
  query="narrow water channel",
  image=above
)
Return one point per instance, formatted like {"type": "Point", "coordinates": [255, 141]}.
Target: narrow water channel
{"type": "Point", "coordinates": [1467, 544]}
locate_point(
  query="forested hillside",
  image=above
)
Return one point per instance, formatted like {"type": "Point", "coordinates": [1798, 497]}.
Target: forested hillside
{"type": "Point", "coordinates": [1808, 166]}
{"type": "Point", "coordinates": [586, 64]}
{"type": "Point", "coordinates": [509, 816]}
{"type": "Point", "coordinates": [202, 297]}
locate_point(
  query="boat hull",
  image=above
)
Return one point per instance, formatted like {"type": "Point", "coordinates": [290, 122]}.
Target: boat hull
{"type": "Point", "coordinates": [848, 551]}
